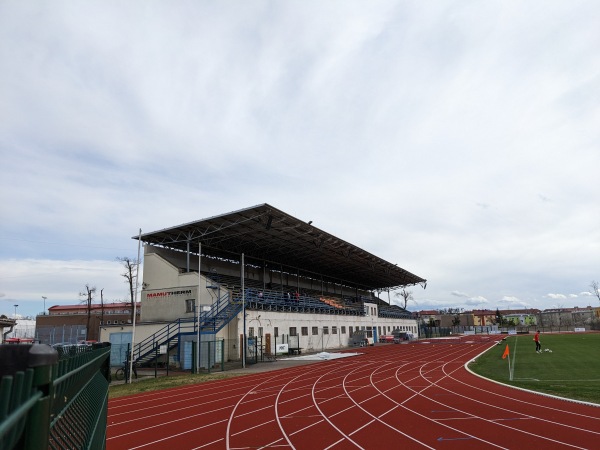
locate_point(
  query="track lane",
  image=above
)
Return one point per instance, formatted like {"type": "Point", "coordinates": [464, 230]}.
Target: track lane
{"type": "Point", "coordinates": [413, 395]}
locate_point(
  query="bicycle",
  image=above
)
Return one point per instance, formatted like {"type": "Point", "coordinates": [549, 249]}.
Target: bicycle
{"type": "Point", "coordinates": [121, 373]}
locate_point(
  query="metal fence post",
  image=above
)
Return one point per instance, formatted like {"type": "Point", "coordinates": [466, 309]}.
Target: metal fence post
{"type": "Point", "coordinates": [222, 355]}
{"type": "Point", "coordinates": [208, 364]}
{"type": "Point", "coordinates": [41, 359]}
{"type": "Point", "coordinates": [194, 356]}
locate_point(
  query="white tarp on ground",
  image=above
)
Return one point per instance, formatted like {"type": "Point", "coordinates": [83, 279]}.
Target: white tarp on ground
{"type": "Point", "coordinates": [322, 356]}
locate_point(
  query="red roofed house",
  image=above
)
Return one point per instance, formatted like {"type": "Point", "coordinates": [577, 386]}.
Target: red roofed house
{"type": "Point", "coordinates": [68, 323]}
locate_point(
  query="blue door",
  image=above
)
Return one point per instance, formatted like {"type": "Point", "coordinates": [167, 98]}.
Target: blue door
{"type": "Point", "coordinates": [119, 342]}
{"type": "Point", "coordinates": [187, 355]}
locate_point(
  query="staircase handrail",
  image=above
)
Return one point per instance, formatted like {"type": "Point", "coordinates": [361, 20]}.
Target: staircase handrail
{"type": "Point", "coordinates": [173, 329]}
{"type": "Point", "coordinates": [164, 335]}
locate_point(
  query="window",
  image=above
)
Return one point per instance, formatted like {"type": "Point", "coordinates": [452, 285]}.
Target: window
{"type": "Point", "coordinates": [343, 330]}
{"type": "Point", "coordinates": [325, 330]}
{"type": "Point", "coordinates": [293, 331]}
{"type": "Point", "coordinates": [334, 330]}
{"type": "Point", "coordinates": [251, 332]}
{"type": "Point", "coordinates": [304, 331]}
{"type": "Point", "coordinates": [315, 331]}
{"type": "Point", "coordinates": [260, 331]}
{"type": "Point", "coordinates": [276, 331]}
{"type": "Point", "coordinates": [189, 305]}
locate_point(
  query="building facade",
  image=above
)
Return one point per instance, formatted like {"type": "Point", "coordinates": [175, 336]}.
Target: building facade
{"type": "Point", "coordinates": [72, 323]}
{"type": "Point", "coordinates": [172, 295]}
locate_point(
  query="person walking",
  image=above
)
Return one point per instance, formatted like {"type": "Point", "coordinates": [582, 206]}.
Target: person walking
{"type": "Point", "coordinates": [536, 338]}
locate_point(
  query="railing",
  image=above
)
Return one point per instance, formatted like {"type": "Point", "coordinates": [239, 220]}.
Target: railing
{"type": "Point", "coordinates": [165, 336]}
{"type": "Point", "coordinates": [221, 312]}
{"type": "Point", "coordinates": [47, 402]}
{"type": "Point", "coordinates": [394, 312]}
{"type": "Point", "coordinates": [276, 301]}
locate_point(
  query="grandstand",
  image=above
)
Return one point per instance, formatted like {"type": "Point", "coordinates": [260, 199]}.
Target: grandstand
{"type": "Point", "coordinates": [259, 276]}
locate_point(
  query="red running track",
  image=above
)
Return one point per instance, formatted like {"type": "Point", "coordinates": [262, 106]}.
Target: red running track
{"type": "Point", "coordinates": [417, 396]}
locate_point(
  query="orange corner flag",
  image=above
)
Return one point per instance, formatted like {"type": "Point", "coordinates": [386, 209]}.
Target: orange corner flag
{"type": "Point", "coordinates": [506, 352]}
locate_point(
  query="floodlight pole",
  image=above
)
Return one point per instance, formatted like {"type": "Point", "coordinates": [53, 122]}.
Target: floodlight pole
{"type": "Point", "coordinates": [198, 309]}
{"type": "Point", "coordinates": [244, 313]}
{"type": "Point", "coordinates": [44, 305]}
{"type": "Point", "coordinates": [137, 278]}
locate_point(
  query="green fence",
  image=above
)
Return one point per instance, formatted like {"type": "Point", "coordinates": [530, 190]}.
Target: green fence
{"type": "Point", "coordinates": [53, 400]}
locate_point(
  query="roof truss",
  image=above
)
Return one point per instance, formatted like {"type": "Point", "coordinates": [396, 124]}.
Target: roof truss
{"type": "Point", "coordinates": [266, 234]}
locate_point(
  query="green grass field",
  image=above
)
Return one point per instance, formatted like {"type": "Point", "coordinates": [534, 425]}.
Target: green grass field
{"type": "Point", "coordinates": [571, 370]}
{"type": "Point", "coordinates": [154, 384]}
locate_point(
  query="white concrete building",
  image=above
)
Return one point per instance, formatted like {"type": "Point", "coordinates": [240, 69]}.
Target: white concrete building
{"type": "Point", "coordinates": [296, 284]}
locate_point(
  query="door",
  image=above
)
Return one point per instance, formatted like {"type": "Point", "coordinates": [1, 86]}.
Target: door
{"type": "Point", "coordinates": [187, 355]}
{"type": "Point", "coordinates": [119, 342]}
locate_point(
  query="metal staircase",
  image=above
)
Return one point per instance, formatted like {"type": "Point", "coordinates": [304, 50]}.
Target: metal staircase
{"type": "Point", "coordinates": [222, 311]}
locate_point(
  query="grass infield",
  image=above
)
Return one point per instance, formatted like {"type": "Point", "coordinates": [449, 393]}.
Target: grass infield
{"type": "Point", "coordinates": [155, 384]}
{"type": "Point", "coordinates": [571, 369]}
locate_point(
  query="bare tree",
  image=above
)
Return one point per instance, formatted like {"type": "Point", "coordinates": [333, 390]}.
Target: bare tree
{"type": "Point", "coordinates": [88, 300]}
{"type": "Point", "coordinates": [130, 274]}
{"type": "Point", "coordinates": [406, 297]}
{"type": "Point", "coordinates": [595, 289]}
{"type": "Point", "coordinates": [456, 320]}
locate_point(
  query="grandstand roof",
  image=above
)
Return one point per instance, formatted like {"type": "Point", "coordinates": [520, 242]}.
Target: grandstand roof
{"type": "Point", "coordinates": [265, 233]}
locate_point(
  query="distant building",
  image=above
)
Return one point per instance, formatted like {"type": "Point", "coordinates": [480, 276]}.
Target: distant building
{"type": "Point", "coordinates": [521, 317]}
{"type": "Point", "coordinates": [68, 323]}
{"type": "Point", "coordinates": [431, 318]}
{"type": "Point", "coordinates": [8, 325]}
{"type": "Point", "coordinates": [557, 318]}
{"type": "Point", "coordinates": [568, 317]}
{"type": "Point", "coordinates": [483, 317]}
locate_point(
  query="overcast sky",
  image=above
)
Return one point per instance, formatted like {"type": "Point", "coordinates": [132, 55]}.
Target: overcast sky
{"type": "Point", "coordinates": [459, 140]}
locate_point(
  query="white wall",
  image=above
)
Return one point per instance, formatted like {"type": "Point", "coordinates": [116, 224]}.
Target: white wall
{"type": "Point", "coordinates": [163, 275]}
{"type": "Point", "coordinates": [268, 320]}
{"type": "Point", "coordinates": [166, 289]}
{"type": "Point", "coordinates": [142, 331]}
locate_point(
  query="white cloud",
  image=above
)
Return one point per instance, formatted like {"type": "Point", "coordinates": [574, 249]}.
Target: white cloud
{"type": "Point", "coordinates": [557, 296]}
{"type": "Point", "coordinates": [513, 302]}
{"type": "Point", "coordinates": [26, 281]}
{"type": "Point", "coordinates": [476, 301]}
{"type": "Point", "coordinates": [416, 128]}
